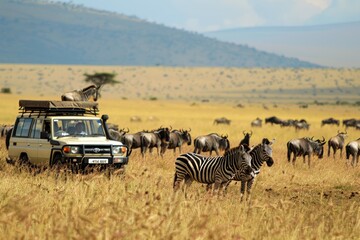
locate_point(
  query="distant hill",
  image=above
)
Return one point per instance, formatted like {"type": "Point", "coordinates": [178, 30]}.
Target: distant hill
{"type": "Point", "coordinates": [333, 45]}
{"type": "Point", "coordinates": [42, 32]}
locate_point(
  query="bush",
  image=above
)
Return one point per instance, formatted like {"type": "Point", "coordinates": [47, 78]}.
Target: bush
{"type": "Point", "coordinates": [6, 90]}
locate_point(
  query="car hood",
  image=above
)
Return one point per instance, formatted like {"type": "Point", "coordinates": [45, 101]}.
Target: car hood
{"type": "Point", "coordinates": [87, 140]}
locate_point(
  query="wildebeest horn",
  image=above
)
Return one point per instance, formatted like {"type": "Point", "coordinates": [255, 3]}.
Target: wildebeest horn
{"type": "Point", "coordinates": [323, 139]}
{"type": "Point", "coordinates": [170, 128]}
{"type": "Point", "coordinates": [244, 133]}
{"type": "Point", "coordinates": [251, 133]}
{"type": "Point", "coordinates": [128, 130]}
{"type": "Point", "coordinates": [189, 130]}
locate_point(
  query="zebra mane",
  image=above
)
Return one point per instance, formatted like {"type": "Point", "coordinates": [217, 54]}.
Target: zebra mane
{"type": "Point", "coordinates": [87, 88]}
{"type": "Point", "coordinates": [232, 151]}
{"type": "Point", "coordinates": [256, 147]}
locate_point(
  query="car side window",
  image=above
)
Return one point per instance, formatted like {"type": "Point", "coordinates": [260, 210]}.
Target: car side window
{"type": "Point", "coordinates": [23, 127]}
{"type": "Point", "coordinates": [37, 128]}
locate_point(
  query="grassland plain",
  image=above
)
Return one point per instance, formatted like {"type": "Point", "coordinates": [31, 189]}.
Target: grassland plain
{"type": "Point", "coordinates": [287, 202]}
{"type": "Point", "coordinates": [224, 85]}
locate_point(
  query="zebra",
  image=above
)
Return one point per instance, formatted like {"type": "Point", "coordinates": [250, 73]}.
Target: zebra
{"type": "Point", "coordinates": [218, 170]}
{"type": "Point", "coordinates": [82, 94]}
{"type": "Point", "coordinates": [259, 154]}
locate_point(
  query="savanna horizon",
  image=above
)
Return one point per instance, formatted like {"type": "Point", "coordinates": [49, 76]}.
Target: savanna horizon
{"type": "Point", "coordinates": [287, 202]}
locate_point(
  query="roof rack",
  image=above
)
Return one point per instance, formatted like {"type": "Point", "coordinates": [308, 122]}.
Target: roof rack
{"type": "Point", "coordinates": [45, 107]}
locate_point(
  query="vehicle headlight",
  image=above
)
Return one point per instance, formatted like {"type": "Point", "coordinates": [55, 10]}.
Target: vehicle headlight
{"type": "Point", "coordinates": [119, 150]}
{"type": "Point", "coordinates": [71, 149]}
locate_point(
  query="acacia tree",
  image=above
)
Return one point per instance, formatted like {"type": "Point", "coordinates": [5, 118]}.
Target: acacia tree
{"type": "Point", "coordinates": [100, 79]}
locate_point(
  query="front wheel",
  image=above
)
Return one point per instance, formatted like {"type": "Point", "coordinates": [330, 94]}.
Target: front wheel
{"type": "Point", "coordinates": [56, 161]}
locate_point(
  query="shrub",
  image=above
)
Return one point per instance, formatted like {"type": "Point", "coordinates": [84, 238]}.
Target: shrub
{"type": "Point", "coordinates": [6, 90]}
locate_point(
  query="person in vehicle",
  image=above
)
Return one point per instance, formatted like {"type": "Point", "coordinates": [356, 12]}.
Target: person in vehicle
{"type": "Point", "coordinates": [80, 128]}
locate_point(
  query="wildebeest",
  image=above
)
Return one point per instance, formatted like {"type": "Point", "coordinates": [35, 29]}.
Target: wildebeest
{"type": "Point", "coordinates": [246, 139]}
{"type": "Point", "coordinates": [135, 119]}
{"type": "Point", "coordinates": [353, 149]}
{"type": "Point", "coordinates": [222, 120]}
{"type": "Point", "coordinates": [337, 142]}
{"type": "Point", "coordinates": [273, 120]}
{"type": "Point", "coordinates": [82, 94]}
{"type": "Point", "coordinates": [256, 123]}
{"type": "Point", "coordinates": [153, 139]}
{"type": "Point", "coordinates": [211, 142]}
{"type": "Point", "coordinates": [177, 139]}
{"type": "Point", "coordinates": [330, 121]}
{"type": "Point", "coordinates": [302, 124]}
{"type": "Point", "coordinates": [118, 135]}
{"type": "Point", "coordinates": [4, 129]}
{"type": "Point", "coordinates": [305, 146]}
{"type": "Point", "coordinates": [352, 122]}
{"type": "Point", "coordinates": [132, 140]}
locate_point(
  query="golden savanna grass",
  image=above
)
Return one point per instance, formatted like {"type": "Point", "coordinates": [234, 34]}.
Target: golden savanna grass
{"type": "Point", "coordinates": [287, 202]}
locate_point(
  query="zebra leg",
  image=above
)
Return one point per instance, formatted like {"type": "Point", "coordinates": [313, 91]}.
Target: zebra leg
{"type": "Point", "coordinates": [249, 185]}
{"type": "Point", "coordinates": [226, 186]}
{"type": "Point", "coordinates": [242, 190]}
{"type": "Point", "coordinates": [177, 181]}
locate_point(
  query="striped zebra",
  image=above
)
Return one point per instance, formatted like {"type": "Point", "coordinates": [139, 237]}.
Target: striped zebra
{"type": "Point", "coordinates": [259, 154]}
{"type": "Point", "coordinates": [218, 170]}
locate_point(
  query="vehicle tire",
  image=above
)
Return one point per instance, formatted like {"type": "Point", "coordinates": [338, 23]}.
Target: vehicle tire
{"type": "Point", "coordinates": [56, 161]}
{"type": "Point", "coordinates": [23, 160]}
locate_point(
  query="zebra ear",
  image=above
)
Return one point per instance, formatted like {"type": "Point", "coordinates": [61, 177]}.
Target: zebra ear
{"type": "Point", "coordinates": [242, 149]}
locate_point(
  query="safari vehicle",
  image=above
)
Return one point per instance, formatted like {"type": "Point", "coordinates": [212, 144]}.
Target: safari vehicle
{"type": "Point", "coordinates": [48, 133]}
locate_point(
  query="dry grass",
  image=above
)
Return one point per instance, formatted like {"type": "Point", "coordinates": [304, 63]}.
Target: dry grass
{"type": "Point", "coordinates": [288, 202]}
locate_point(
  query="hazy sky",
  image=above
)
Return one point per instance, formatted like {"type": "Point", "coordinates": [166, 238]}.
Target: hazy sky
{"type": "Point", "coordinates": [210, 15]}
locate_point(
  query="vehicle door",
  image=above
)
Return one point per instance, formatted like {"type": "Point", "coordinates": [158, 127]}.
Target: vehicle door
{"type": "Point", "coordinates": [42, 133]}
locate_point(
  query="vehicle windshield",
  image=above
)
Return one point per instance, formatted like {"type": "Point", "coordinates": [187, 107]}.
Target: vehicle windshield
{"type": "Point", "coordinates": [78, 127]}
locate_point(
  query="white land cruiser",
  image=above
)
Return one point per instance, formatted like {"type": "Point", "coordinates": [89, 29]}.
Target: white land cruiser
{"type": "Point", "coordinates": [48, 133]}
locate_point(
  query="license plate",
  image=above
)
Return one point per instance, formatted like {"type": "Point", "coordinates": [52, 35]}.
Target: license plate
{"type": "Point", "coordinates": [98, 161]}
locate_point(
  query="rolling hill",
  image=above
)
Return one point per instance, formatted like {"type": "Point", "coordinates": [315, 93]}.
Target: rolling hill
{"type": "Point", "coordinates": [333, 45]}
{"type": "Point", "coordinates": [43, 32]}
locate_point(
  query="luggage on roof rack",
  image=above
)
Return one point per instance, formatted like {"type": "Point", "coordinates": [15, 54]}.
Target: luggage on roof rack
{"type": "Point", "coordinates": [46, 107]}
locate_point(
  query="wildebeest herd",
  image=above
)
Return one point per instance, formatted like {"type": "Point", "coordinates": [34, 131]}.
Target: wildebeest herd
{"type": "Point", "coordinates": [235, 163]}
{"type": "Point", "coordinates": [241, 163]}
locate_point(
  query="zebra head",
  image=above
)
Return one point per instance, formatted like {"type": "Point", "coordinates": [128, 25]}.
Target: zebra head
{"type": "Point", "coordinates": [245, 154]}
{"type": "Point", "coordinates": [242, 158]}
{"type": "Point", "coordinates": [90, 91]}
{"type": "Point", "coordinates": [266, 153]}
